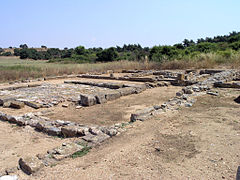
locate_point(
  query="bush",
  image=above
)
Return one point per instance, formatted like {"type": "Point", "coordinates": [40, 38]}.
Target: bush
{"type": "Point", "coordinates": [6, 54]}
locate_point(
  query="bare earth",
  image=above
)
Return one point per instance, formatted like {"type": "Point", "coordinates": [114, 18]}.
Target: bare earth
{"type": "Point", "coordinates": [201, 142]}
{"type": "Point", "coordinates": [16, 142]}
{"type": "Point", "coordinates": [115, 111]}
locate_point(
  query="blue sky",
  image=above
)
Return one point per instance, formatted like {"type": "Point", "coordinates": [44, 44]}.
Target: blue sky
{"type": "Point", "coordinates": [105, 23]}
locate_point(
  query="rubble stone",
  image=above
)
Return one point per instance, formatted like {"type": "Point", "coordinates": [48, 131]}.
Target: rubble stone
{"type": "Point", "coordinates": [30, 165]}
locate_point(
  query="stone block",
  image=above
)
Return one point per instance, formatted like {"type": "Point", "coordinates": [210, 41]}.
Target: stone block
{"type": "Point", "coordinates": [126, 91]}
{"type": "Point", "coordinates": [40, 125]}
{"type": "Point", "coordinates": [95, 131]}
{"type": "Point", "coordinates": [69, 131]}
{"type": "Point", "coordinates": [88, 100]}
{"type": "Point", "coordinates": [9, 177]}
{"type": "Point", "coordinates": [33, 104]}
{"type": "Point", "coordinates": [113, 85]}
{"type": "Point", "coordinates": [30, 165]}
{"type": "Point", "coordinates": [7, 104]}
{"type": "Point", "coordinates": [110, 131]}
{"type": "Point", "coordinates": [17, 104]}
{"type": "Point", "coordinates": [3, 100]}
{"type": "Point", "coordinates": [100, 98]}
{"type": "Point", "coordinates": [181, 77]}
{"type": "Point", "coordinates": [95, 139]}
{"type": "Point", "coordinates": [142, 114]}
{"type": "Point", "coordinates": [3, 117]}
{"type": "Point", "coordinates": [112, 95]}
{"type": "Point", "coordinates": [139, 89]}
{"type": "Point", "coordinates": [237, 100]}
{"type": "Point", "coordinates": [20, 121]}
{"type": "Point", "coordinates": [52, 130]}
{"type": "Point", "coordinates": [66, 150]}
{"type": "Point", "coordinates": [140, 118]}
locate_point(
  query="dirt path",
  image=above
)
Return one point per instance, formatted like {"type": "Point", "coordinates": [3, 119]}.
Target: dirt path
{"type": "Point", "coordinates": [201, 142]}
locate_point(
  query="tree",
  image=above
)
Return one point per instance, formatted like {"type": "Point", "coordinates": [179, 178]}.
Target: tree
{"type": "Point", "coordinates": [80, 50]}
{"type": "Point", "coordinates": [235, 46]}
{"type": "Point", "coordinates": [1, 50]}
{"type": "Point", "coordinates": [28, 53]}
{"type": "Point", "coordinates": [160, 53]}
{"type": "Point", "coordinates": [179, 46]}
{"type": "Point", "coordinates": [67, 53]}
{"type": "Point", "coordinates": [23, 46]}
{"type": "Point", "coordinates": [16, 52]}
{"type": "Point", "coordinates": [186, 43]}
{"type": "Point", "coordinates": [206, 47]}
{"type": "Point", "coordinates": [44, 47]}
{"type": "Point", "coordinates": [109, 54]}
{"type": "Point", "coordinates": [54, 52]}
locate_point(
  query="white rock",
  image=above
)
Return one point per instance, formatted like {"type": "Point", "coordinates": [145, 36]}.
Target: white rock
{"type": "Point", "coordinates": [7, 177]}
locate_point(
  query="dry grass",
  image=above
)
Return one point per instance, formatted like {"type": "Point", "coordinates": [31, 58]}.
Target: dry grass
{"type": "Point", "coordinates": [209, 60]}
{"type": "Point", "coordinates": [12, 68]}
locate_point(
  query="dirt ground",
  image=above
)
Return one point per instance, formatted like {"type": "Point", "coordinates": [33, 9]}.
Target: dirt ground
{"type": "Point", "coordinates": [16, 142]}
{"type": "Point", "coordinates": [115, 111]}
{"type": "Point", "coordinates": [201, 142]}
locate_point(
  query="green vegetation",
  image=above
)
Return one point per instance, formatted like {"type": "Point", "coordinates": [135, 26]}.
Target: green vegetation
{"type": "Point", "coordinates": [225, 47]}
{"type": "Point", "coordinates": [203, 53]}
{"type": "Point", "coordinates": [81, 153]}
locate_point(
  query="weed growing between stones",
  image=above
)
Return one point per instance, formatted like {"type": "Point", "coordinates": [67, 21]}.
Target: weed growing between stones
{"type": "Point", "coordinates": [81, 153]}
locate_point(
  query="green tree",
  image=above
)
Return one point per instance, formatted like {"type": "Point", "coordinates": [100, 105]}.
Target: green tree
{"type": "Point", "coordinates": [23, 46]}
{"type": "Point", "coordinates": [80, 50]}
{"type": "Point", "coordinates": [109, 54]}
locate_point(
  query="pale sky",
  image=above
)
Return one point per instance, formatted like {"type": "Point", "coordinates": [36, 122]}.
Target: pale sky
{"type": "Point", "coordinates": [105, 23]}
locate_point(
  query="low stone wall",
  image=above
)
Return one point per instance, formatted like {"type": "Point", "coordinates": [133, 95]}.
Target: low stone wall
{"type": "Point", "coordinates": [19, 87]}
{"type": "Point", "coordinates": [136, 79]}
{"type": "Point", "coordinates": [185, 97]}
{"type": "Point", "coordinates": [54, 128]}
{"type": "Point", "coordinates": [100, 98]}
{"type": "Point", "coordinates": [210, 71]}
{"type": "Point", "coordinates": [226, 85]}
{"type": "Point", "coordinates": [88, 136]}
{"type": "Point", "coordinates": [106, 85]}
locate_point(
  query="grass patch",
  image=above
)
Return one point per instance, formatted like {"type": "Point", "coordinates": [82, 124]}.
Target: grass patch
{"type": "Point", "coordinates": [81, 153]}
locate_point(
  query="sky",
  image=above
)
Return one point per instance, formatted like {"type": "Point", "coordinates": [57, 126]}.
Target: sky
{"type": "Point", "coordinates": [106, 23]}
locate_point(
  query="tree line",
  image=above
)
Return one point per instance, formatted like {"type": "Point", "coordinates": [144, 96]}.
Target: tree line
{"type": "Point", "coordinates": [225, 45]}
